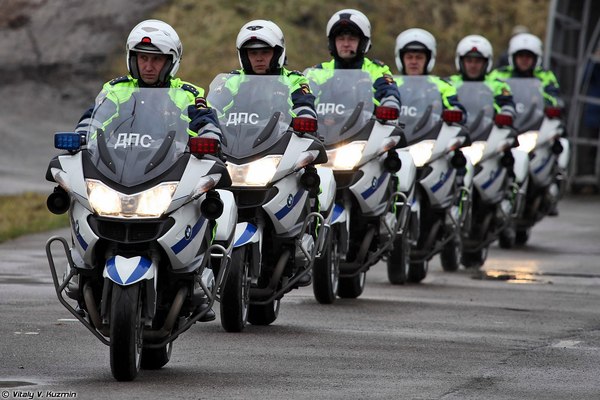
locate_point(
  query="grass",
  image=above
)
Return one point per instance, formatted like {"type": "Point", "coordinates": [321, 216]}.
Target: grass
{"type": "Point", "coordinates": [27, 213]}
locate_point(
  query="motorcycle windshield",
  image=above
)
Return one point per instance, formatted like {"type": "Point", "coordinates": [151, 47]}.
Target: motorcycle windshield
{"type": "Point", "coordinates": [137, 134]}
{"type": "Point", "coordinates": [478, 100]}
{"type": "Point", "coordinates": [421, 111]}
{"type": "Point", "coordinates": [529, 103]}
{"type": "Point", "coordinates": [255, 112]}
{"type": "Point", "coordinates": [344, 102]}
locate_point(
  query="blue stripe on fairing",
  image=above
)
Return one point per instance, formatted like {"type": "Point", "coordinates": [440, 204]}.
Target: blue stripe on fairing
{"type": "Point", "coordinates": [489, 182]}
{"type": "Point", "coordinates": [111, 269]}
{"type": "Point", "coordinates": [143, 266]}
{"type": "Point", "coordinates": [541, 167]}
{"type": "Point", "coordinates": [367, 193]}
{"type": "Point", "coordinates": [82, 242]}
{"type": "Point", "coordinates": [337, 211]}
{"type": "Point", "coordinates": [439, 185]}
{"type": "Point", "coordinates": [182, 244]}
{"type": "Point", "coordinates": [246, 235]}
{"type": "Point", "coordinates": [286, 210]}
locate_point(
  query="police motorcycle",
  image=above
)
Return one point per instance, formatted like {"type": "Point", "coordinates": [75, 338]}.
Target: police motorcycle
{"type": "Point", "coordinates": [280, 231]}
{"type": "Point", "coordinates": [499, 179]}
{"type": "Point", "coordinates": [375, 183]}
{"type": "Point", "coordinates": [143, 199]}
{"type": "Point", "coordinates": [540, 131]}
{"type": "Point", "coordinates": [442, 202]}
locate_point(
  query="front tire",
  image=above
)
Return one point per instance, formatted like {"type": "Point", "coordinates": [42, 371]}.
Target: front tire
{"type": "Point", "coordinates": [326, 271]}
{"type": "Point", "coordinates": [417, 271]}
{"type": "Point", "coordinates": [235, 298]}
{"type": "Point", "coordinates": [398, 263]}
{"type": "Point", "coordinates": [126, 331]}
{"type": "Point", "coordinates": [475, 259]}
{"type": "Point", "coordinates": [451, 255]}
{"type": "Point", "coordinates": [522, 236]}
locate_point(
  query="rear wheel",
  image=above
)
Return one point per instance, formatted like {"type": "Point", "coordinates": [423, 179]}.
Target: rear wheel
{"type": "Point", "coordinates": [236, 293]}
{"type": "Point", "coordinates": [263, 314]}
{"type": "Point", "coordinates": [522, 236]}
{"type": "Point", "coordinates": [126, 331]}
{"type": "Point", "coordinates": [475, 259]}
{"type": "Point", "coordinates": [451, 255]}
{"type": "Point", "coordinates": [417, 271]}
{"type": "Point", "coordinates": [351, 288]}
{"type": "Point", "coordinates": [156, 358]}
{"type": "Point", "coordinates": [326, 271]}
{"type": "Point", "coordinates": [398, 262]}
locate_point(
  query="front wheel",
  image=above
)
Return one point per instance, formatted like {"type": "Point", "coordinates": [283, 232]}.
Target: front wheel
{"type": "Point", "coordinates": [475, 259]}
{"type": "Point", "coordinates": [522, 236]}
{"type": "Point", "coordinates": [451, 255]}
{"type": "Point", "coordinates": [507, 238]}
{"type": "Point", "coordinates": [126, 331]}
{"type": "Point", "coordinates": [417, 271]}
{"type": "Point", "coordinates": [236, 293]}
{"type": "Point", "coordinates": [398, 262]}
{"type": "Point", "coordinates": [351, 288]}
{"type": "Point", "coordinates": [326, 271]}
{"type": "Point", "coordinates": [263, 314]}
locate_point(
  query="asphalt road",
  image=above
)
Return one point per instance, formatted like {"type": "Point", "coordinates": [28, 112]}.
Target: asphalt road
{"type": "Point", "coordinates": [526, 327]}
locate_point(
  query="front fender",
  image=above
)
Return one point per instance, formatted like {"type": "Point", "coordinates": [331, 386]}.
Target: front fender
{"type": "Point", "coordinates": [246, 233]}
{"type": "Point", "coordinates": [127, 271]}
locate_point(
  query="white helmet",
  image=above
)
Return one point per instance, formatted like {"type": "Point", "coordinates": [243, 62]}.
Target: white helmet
{"type": "Point", "coordinates": [525, 42]}
{"type": "Point", "coordinates": [261, 33]}
{"type": "Point", "coordinates": [475, 46]}
{"type": "Point", "coordinates": [353, 21]}
{"type": "Point", "coordinates": [157, 37]}
{"type": "Point", "coordinates": [415, 39]}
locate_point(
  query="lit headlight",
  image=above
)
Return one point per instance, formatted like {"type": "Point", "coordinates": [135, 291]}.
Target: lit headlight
{"type": "Point", "coordinates": [256, 173]}
{"type": "Point", "coordinates": [345, 157]}
{"type": "Point", "coordinates": [527, 141]}
{"type": "Point", "coordinates": [151, 203]}
{"type": "Point", "coordinates": [474, 151]}
{"type": "Point", "coordinates": [421, 152]}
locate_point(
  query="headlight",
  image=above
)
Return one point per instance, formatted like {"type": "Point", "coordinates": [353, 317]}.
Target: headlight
{"type": "Point", "coordinates": [421, 152]}
{"type": "Point", "coordinates": [256, 173]}
{"type": "Point", "coordinates": [151, 203]}
{"type": "Point", "coordinates": [474, 151]}
{"type": "Point", "coordinates": [527, 141]}
{"type": "Point", "coordinates": [345, 157]}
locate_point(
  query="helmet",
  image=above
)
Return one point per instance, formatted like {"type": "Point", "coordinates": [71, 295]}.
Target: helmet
{"type": "Point", "coordinates": [261, 33]}
{"type": "Point", "coordinates": [157, 37]}
{"type": "Point", "coordinates": [474, 46]}
{"type": "Point", "coordinates": [525, 42]}
{"type": "Point", "coordinates": [415, 39]}
{"type": "Point", "coordinates": [353, 21]}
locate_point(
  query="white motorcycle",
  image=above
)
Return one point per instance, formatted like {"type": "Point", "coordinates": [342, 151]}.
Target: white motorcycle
{"type": "Point", "coordinates": [500, 178]}
{"type": "Point", "coordinates": [540, 131]}
{"type": "Point", "coordinates": [270, 157]}
{"type": "Point", "coordinates": [142, 198]}
{"type": "Point", "coordinates": [375, 183]}
{"type": "Point", "coordinates": [442, 201]}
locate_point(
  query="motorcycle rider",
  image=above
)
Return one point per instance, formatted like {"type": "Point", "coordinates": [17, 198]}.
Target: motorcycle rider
{"type": "Point", "coordinates": [349, 39]}
{"type": "Point", "coordinates": [473, 60]}
{"type": "Point", "coordinates": [415, 54]}
{"type": "Point", "coordinates": [261, 51]}
{"type": "Point", "coordinates": [525, 61]}
{"type": "Point", "coordinates": [154, 52]}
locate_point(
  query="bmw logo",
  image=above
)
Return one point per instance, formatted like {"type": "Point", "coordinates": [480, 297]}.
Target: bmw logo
{"type": "Point", "coordinates": [374, 182]}
{"type": "Point", "coordinates": [188, 232]}
{"type": "Point", "coordinates": [290, 201]}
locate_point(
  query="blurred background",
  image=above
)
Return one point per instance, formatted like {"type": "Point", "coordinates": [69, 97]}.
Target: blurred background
{"type": "Point", "coordinates": [57, 53]}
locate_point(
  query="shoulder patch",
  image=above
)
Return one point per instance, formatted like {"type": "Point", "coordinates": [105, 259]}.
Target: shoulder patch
{"type": "Point", "coordinates": [378, 62]}
{"type": "Point", "coordinates": [189, 88]}
{"type": "Point", "coordinates": [120, 79]}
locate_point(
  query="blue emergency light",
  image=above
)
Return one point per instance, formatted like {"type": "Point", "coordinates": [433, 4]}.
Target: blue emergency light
{"type": "Point", "coordinates": [67, 141]}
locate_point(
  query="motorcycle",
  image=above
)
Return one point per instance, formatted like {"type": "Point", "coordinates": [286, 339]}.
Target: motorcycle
{"type": "Point", "coordinates": [280, 230]}
{"type": "Point", "coordinates": [500, 179]}
{"type": "Point", "coordinates": [441, 207]}
{"type": "Point", "coordinates": [375, 183]}
{"type": "Point", "coordinates": [540, 131]}
{"type": "Point", "coordinates": [143, 199]}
